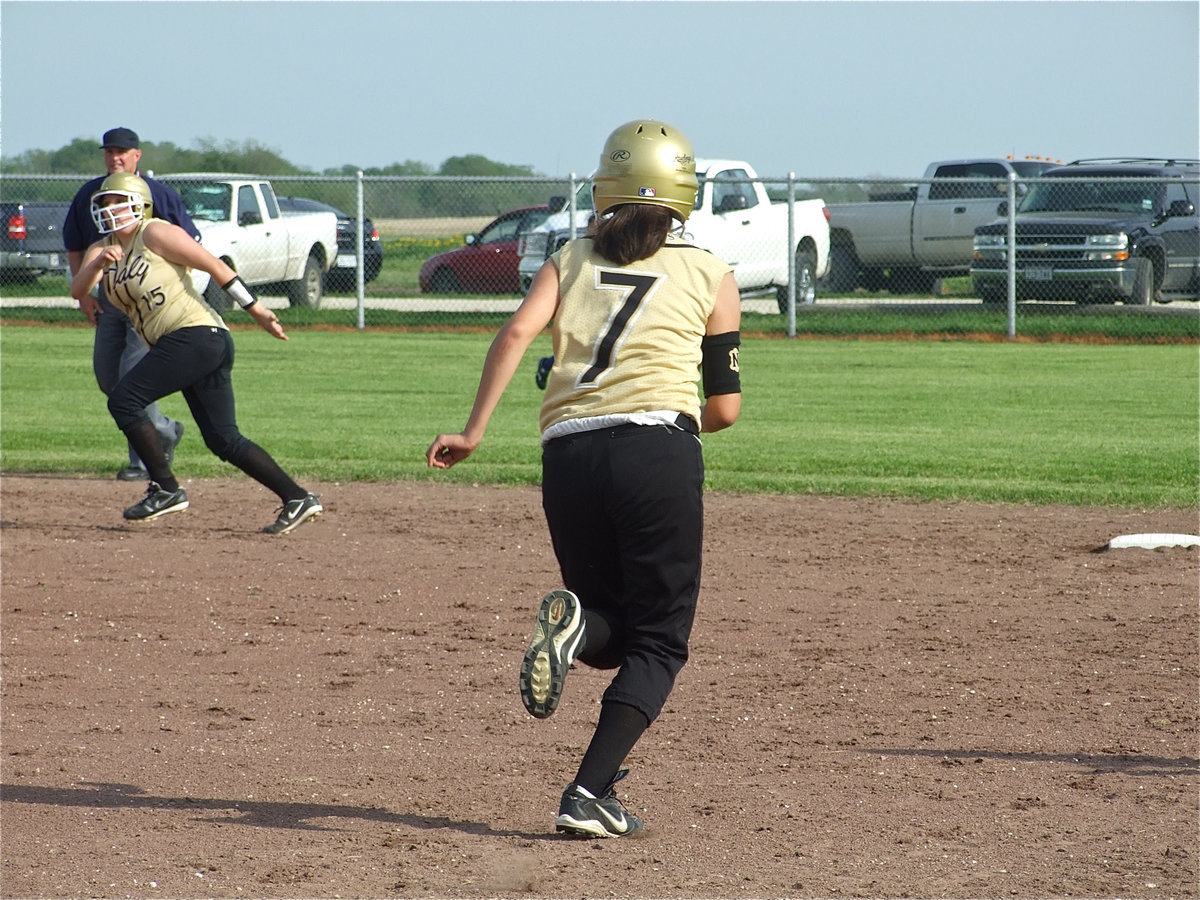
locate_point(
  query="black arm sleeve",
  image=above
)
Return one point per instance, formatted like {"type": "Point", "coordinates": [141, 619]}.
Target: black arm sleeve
{"type": "Point", "coordinates": [719, 367]}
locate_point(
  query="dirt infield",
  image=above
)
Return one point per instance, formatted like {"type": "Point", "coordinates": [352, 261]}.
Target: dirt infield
{"type": "Point", "coordinates": [885, 699]}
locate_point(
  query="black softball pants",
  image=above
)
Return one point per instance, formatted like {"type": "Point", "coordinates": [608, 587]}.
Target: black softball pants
{"type": "Point", "coordinates": [197, 362]}
{"type": "Point", "coordinates": [625, 511]}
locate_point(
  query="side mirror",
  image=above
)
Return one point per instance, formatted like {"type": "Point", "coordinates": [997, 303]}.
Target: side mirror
{"type": "Point", "coordinates": [250, 217]}
{"type": "Point", "coordinates": [1181, 209]}
{"type": "Point", "coordinates": [557, 204]}
{"type": "Point", "coordinates": [1002, 209]}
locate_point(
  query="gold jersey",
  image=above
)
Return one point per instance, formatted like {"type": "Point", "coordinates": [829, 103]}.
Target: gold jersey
{"type": "Point", "coordinates": [154, 292]}
{"type": "Point", "coordinates": [627, 338]}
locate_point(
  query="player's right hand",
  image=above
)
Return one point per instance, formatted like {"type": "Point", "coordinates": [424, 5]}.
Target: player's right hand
{"type": "Point", "coordinates": [448, 449]}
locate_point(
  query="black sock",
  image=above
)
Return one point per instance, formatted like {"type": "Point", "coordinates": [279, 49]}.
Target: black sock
{"type": "Point", "coordinates": [618, 730]}
{"type": "Point", "coordinates": [147, 444]}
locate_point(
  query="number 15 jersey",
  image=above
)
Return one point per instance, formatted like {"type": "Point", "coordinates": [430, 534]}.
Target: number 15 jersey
{"type": "Point", "coordinates": [627, 338]}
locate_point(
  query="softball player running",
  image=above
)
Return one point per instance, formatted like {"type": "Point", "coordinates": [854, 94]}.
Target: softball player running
{"type": "Point", "coordinates": [143, 263]}
{"type": "Point", "coordinates": [639, 316]}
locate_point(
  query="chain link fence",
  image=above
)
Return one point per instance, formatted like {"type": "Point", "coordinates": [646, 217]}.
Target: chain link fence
{"type": "Point", "coordinates": [1098, 258]}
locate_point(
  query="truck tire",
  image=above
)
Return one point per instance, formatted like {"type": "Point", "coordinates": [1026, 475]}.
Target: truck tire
{"type": "Point", "coordinates": [806, 282]}
{"type": "Point", "coordinates": [1143, 282]}
{"type": "Point", "coordinates": [306, 291]}
{"type": "Point", "coordinates": [842, 277]}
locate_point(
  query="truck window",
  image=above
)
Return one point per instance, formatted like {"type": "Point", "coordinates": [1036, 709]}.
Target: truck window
{"type": "Point", "coordinates": [247, 203]}
{"type": "Point", "coordinates": [272, 204]}
{"type": "Point", "coordinates": [1090, 196]}
{"type": "Point", "coordinates": [726, 190]}
{"type": "Point", "coordinates": [991, 181]}
{"type": "Point", "coordinates": [209, 202]}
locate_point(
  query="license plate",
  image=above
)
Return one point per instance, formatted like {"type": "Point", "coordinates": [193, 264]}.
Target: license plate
{"type": "Point", "coordinates": [54, 260]}
{"type": "Point", "coordinates": [1039, 273]}
{"type": "Point", "coordinates": [347, 261]}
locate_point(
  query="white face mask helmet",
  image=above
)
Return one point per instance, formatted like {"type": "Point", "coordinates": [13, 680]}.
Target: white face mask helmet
{"type": "Point", "coordinates": [133, 203]}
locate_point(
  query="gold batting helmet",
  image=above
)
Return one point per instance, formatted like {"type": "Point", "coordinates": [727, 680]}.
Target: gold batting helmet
{"type": "Point", "coordinates": [138, 204]}
{"type": "Point", "coordinates": [646, 161]}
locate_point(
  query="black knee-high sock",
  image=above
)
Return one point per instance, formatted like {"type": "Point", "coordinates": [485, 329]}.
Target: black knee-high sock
{"type": "Point", "coordinates": [148, 445]}
{"type": "Point", "coordinates": [618, 730]}
{"type": "Point", "coordinates": [259, 465]}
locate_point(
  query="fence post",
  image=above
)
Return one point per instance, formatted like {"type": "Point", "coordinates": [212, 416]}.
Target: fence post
{"type": "Point", "coordinates": [1012, 255]}
{"type": "Point", "coordinates": [358, 255]}
{"type": "Point", "coordinates": [791, 242]}
{"type": "Point", "coordinates": [573, 207]}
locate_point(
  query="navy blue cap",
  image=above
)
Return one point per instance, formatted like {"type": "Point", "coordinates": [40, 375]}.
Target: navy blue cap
{"type": "Point", "coordinates": [124, 138]}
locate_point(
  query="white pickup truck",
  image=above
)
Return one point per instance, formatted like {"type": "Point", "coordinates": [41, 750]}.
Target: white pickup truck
{"type": "Point", "coordinates": [239, 221]}
{"type": "Point", "coordinates": [734, 219]}
{"type": "Point", "coordinates": [905, 239]}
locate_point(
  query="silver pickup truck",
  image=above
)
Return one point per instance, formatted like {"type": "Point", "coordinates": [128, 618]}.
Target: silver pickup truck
{"type": "Point", "coordinates": [902, 241]}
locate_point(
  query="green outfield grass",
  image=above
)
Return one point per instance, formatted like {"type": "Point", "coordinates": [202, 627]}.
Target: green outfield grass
{"type": "Point", "coordinates": [997, 422]}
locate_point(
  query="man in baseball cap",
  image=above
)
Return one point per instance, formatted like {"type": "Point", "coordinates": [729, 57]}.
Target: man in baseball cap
{"type": "Point", "coordinates": [120, 139]}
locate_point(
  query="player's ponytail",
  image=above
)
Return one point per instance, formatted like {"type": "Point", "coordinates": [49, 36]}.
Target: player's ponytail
{"type": "Point", "coordinates": [634, 231]}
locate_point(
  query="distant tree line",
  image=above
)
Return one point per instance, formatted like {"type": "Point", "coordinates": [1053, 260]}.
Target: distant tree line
{"type": "Point", "coordinates": [429, 195]}
{"type": "Point", "coordinates": [389, 193]}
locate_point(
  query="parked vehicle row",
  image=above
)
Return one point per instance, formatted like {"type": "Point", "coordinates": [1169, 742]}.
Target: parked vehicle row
{"type": "Point", "coordinates": [1098, 231]}
{"type": "Point", "coordinates": [903, 240]}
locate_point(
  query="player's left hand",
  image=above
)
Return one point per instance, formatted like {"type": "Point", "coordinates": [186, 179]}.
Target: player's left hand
{"type": "Point", "coordinates": [268, 320]}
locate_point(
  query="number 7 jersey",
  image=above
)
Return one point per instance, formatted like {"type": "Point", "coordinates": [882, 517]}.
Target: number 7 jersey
{"type": "Point", "coordinates": [627, 338]}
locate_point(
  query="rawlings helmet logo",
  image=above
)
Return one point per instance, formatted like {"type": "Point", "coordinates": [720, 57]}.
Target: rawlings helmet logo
{"type": "Point", "coordinates": [619, 155]}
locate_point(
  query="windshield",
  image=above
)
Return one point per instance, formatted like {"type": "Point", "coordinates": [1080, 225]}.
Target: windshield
{"type": "Point", "coordinates": [1108, 195]}
{"type": "Point", "coordinates": [208, 202]}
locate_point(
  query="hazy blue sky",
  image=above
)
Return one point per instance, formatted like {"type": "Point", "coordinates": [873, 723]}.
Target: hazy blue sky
{"type": "Point", "coordinates": [817, 88]}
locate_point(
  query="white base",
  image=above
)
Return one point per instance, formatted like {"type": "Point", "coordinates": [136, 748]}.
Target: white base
{"type": "Point", "coordinates": [1153, 541]}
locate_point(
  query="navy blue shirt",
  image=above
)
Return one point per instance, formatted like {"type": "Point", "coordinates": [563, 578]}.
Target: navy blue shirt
{"type": "Point", "coordinates": [80, 232]}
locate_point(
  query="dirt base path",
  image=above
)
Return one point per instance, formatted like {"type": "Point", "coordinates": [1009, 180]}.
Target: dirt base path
{"type": "Point", "coordinates": [885, 699]}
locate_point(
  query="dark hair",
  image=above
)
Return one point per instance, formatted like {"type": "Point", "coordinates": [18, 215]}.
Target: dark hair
{"type": "Point", "coordinates": [634, 231]}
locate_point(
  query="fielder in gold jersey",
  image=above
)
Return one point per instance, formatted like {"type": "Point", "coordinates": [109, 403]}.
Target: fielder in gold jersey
{"type": "Point", "coordinates": [144, 264]}
{"type": "Point", "coordinates": [639, 317]}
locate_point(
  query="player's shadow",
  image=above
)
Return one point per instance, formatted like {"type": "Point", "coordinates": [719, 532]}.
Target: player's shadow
{"type": "Point", "coordinates": [1093, 763]}
{"type": "Point", "coordinates": [259, 814]}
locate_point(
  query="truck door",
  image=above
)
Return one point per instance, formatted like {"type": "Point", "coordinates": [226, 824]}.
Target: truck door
{"type": "Point", "coordinates": [1181, 238]}
{"type": "Point", "coordinates": [724, 225]}
{"type": "Point", "coordinates": [946, 213]}
{"type": "Point", "coordinates": [257, 250]}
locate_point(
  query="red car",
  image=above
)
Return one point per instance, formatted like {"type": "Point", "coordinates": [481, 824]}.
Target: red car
{"type": "Point", "coordinates": [488, 263]}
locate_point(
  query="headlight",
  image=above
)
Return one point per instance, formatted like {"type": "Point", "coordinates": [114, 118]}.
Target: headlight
{"type": "Point", "coordinates": [1106, 247]}
{"type": "Point", "coordinates": [990, 241]}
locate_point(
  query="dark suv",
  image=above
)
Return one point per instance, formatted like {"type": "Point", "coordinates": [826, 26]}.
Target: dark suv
{"type": "Point", "coordinates": [1099, 230]}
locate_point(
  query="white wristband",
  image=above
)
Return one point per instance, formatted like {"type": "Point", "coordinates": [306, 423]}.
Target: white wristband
{"type": "Point", "coordinates": [238, 291]}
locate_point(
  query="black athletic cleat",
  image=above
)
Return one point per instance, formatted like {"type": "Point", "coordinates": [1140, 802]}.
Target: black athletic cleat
{"type": "Point", "coordinates": [295, 512]}
{"type": "Point", "coordinates": [157, 502]}
{"type": "Point", "coordinates": [605, 816]}
{"type": "Point", "coordinates": [556, 641]}
{"type": "Point", "coordinates": [132, 473]}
